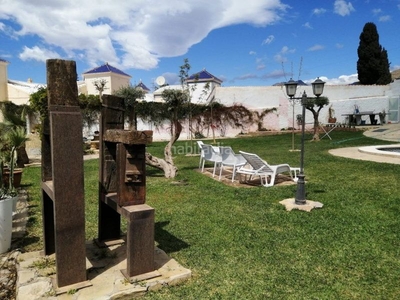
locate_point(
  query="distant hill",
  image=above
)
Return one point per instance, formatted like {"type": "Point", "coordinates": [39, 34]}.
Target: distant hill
{"type": "Point", "coordinates": [395, 74]}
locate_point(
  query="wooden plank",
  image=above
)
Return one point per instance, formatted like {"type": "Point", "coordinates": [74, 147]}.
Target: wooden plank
{"type": "Point", "coordinates": [129, 137]}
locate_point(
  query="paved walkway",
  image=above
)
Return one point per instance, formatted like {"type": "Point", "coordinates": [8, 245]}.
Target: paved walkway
{"type": "Point", "coordinates": [388, 132]}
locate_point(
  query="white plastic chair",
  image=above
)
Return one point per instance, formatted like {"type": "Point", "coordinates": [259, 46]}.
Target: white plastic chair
{"type": "Point", "coordinates": [210, 155]}
{"type": "Point", "coordinates": [199, 143]}
{"type": "Point", "coordinates": [262, 169]}
{"type": "Point", "coordinates": [230, 159]}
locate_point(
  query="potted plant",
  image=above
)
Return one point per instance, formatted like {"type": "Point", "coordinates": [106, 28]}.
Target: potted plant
{"type": "Point", "coordinates": [15, 139]}
{"type": "Point", "coordinates": [331, 117]}
{"type": "Point", "coordinates": [7, 200]}
{"type": "Point", "coordinates": [11, 140]}
{"type": "Point", "coordinates": [6, 210]}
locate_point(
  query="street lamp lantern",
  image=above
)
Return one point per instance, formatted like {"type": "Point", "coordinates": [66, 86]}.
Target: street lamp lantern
{"type": "Point", "coordinates": [318, 88]}
{"type": "Point", "coordinates": [291, 87]}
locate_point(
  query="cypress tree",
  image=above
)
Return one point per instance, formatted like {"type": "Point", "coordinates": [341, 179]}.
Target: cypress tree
{"type": "Point", "coordinates": [372, 64]}
{"type": "Point", "coordinates": [384, 77]}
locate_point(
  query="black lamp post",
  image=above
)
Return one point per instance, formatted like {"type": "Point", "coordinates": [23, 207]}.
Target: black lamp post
{"type": "Point", "coordinates": [291, 87]}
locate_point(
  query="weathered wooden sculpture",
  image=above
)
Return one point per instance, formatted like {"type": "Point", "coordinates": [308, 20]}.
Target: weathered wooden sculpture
{"type": "Point", "coordinates": [122, 190]}
{"type": "Point", "coordinates": [63, 208]}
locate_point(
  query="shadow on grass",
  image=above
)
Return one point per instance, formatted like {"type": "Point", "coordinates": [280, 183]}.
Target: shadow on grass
{"type": "Point", "coordinates": [25, 243]}
{"type": "Point", "coordinates": [153, 172]}
{"type": "Point", "coordinates": [166, 241]}
{"type": "Point", "coordinates": [26, 185]}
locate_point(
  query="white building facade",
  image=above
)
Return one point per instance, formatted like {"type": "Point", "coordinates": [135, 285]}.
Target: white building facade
{"type": "Point", "coordinates": [205, 88]}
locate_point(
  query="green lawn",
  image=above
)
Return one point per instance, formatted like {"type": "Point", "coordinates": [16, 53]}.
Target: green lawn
{"type": "Point", "coordinates": [240, 243]}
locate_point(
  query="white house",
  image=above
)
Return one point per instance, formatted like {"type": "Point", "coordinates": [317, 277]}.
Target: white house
{"type": "Point", "coordinates": [205, 88]}
{"type": "Point", "coordinates": [201, 85]}
{"type": "Point", "coordinates": [111, 76]}
{"type": "Point", "coordinates": [3, 80]}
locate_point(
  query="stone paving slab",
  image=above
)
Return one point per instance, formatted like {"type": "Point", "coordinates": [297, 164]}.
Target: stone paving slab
{"type": "Point", "coordinates": [355, 153]}
{"type": "Point", "coordinates": [308, 206]}
{"type": "Point", "coordinates": [388, 132]}
{"type": "Point", "coordinates": [32, 276]}
{"type": "Point", "coordinates": [104, 275]}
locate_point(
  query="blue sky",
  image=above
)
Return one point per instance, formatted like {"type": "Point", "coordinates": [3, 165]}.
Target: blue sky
{"type": "Point", "coordinates": [244, 43]}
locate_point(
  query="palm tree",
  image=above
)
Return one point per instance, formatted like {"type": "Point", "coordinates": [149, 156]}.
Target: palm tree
{"type": "Point", "coordinates": [14, 117]}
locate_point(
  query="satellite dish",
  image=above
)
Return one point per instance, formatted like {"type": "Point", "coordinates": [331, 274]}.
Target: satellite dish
{"type": "Point", "coordinates": [160, 80]}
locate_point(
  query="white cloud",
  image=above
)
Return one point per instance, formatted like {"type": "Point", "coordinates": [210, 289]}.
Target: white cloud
{"type": "Point", "coordinates": [385, 18]}
{"type": "Point", "coordinates": [268, 40]}
{"type": "Point", "coordinates": [307, 25]}
{"type": "Point", "coordinates": [343, 8]}
{"type": "Point", "coordinates": [286, 49]}
{"type": "Point", "coordinates": [318, 11]}
{"type": "Point", "coordinates": [281, 55]}
{"type": "Point", "coordinates": [260, 65]}
{"type": "Point", "coordinates": [6, 30]}
{"type": "Point", "coordinates": [37, 53]}
{"type": "Point", "coordinates": [341, 80]}
{"type": "Point", "coordinates": [376, 11]}
{"type": "Point", "coordinates": [280, 58]}
{"type": "Point", "coordinates": [316, 47]}
{"type": "Point", "coordinates": [132, 33]}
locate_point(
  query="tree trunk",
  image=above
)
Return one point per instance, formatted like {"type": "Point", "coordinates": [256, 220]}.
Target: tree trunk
{"type": "Point", "coordinates": [22, 157]}
{"type": "Point", "coordinates": [132, 121]}
{"type": "Point", "coordinates": [169, 170]}
{"type": "Point", "coordinates": [316, 130]}
{"type": "Point", "coordinates": [316, 124]}
{"type": "Point", "coordinates": [167, 164]}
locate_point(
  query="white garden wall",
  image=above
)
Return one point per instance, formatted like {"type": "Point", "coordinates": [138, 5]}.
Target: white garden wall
{"type": "Point", "coordinates": [342, 98]}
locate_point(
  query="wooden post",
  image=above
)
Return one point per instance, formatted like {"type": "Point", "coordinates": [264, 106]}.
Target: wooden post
{"type": "Point", "coordinates": [62, 175]}
{"type": "Point", "coordinates": [112, 117]}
